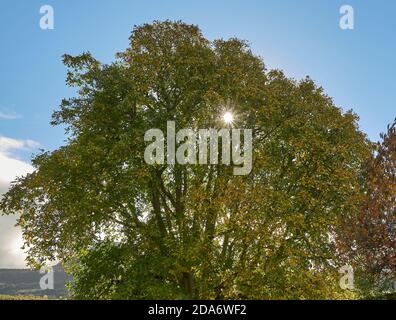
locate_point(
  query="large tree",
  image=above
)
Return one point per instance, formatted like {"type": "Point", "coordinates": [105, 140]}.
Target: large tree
{"type": "Point", "coordinates": [369, 240]}
{"type": "Point", "coordinates": [128, 229]}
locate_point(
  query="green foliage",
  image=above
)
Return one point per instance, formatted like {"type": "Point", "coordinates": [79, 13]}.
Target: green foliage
{"type": "Point", "coordinates": [129, 230]}
{"type": "Point", "coordinates": [6, 297]}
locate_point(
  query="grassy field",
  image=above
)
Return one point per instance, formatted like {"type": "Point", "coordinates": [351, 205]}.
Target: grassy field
{"type": "Point", "coordinates": [3, 297]}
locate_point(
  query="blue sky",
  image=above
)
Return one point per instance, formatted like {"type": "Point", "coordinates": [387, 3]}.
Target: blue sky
{"type": "Point", "coordinates": [355, 67]}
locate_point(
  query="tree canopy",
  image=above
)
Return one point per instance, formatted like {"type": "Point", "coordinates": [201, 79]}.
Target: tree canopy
{"type": "Point", "coordinates": [369, 239]}
{"type": "Point", "coordinates": [131, 230]}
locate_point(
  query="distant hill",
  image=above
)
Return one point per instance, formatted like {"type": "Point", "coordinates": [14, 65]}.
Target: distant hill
{"type": "Point", "coordinates": [27, 282]}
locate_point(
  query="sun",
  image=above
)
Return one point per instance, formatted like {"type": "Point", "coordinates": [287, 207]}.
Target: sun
{"type": "Point", "coordinates": [228, 117]}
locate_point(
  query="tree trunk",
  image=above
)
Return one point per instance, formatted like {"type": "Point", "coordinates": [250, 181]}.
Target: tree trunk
{"type": "Point", "coordinates": [188, 284]}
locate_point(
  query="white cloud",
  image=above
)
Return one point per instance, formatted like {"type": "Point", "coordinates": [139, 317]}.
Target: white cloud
{"type": "Point", "coordinates": [9, 116]}
{"type": "Point", "coordinates": [10, 167]}
{"type": "Point", "coordinates": [9, 144]}
{"type": "Point", "coordinates": [11, 256]}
